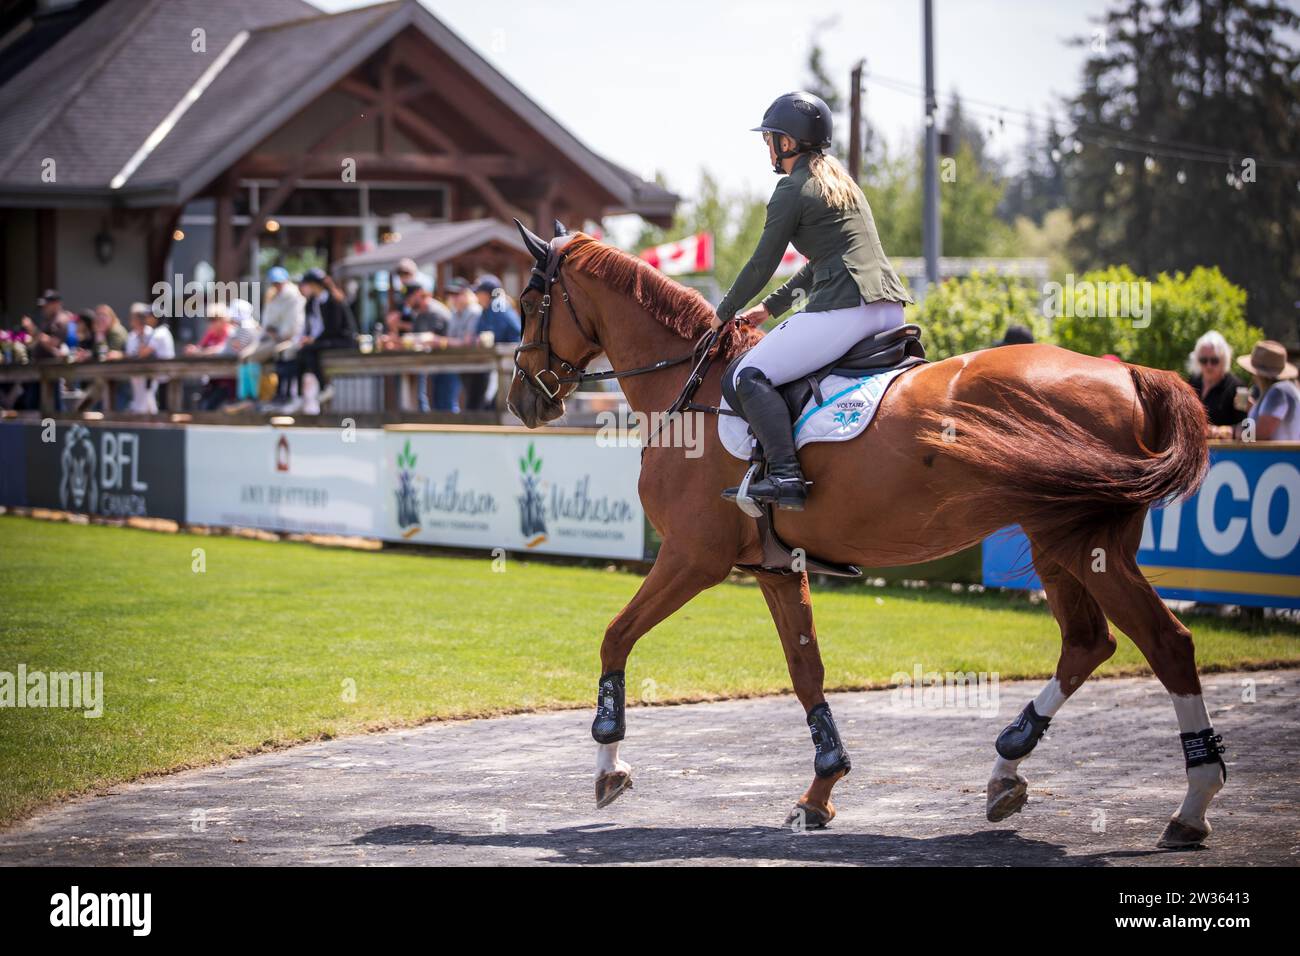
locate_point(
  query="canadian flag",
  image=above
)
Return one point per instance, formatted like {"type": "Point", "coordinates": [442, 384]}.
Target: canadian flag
{"type": "Point", "coordinates": [692, 254]}
{"type": "Point", "coordinates": [791, 262]}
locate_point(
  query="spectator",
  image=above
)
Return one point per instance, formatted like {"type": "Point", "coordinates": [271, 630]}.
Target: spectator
{"type": "Point", "coordinates": [248, 344]}
{"type": "Point", "coordinates": [213, 340]}
{"type": "Point", "coordinates": [1275, 415]}
{"type": "Point", "coordinates": [49, 341]}
{"type": "Point", "coordinates": [1210, 365]}
{"type": "Point", "coordinates": [110, 334]}
{"type": "Point", "coordinates": [408, 275]}
{"type": "Point", "coordinates": [81, 340]}
{"type": "Point", "coordinates": [142, 397]}
{"type": "Point", "coordinates": [160, 346]}
{"type": "Point", "coordinates": [51, 336]}
{"type": "Point", "coordinates": [284, 321]}
{"type": "Point", "coordinates": [499, 320]}
{"type": "Point", "coordinates": [465, 312]}
{"type": "Point", "coordinates": [216, 391]}
{"type": "Point", "coordinates": [330, 325]}
{"type": "Point", "coordinates": [428, 315]}
{"type": "Point", "coordinates": [462, 330]}
{"type": "Point", "coordinates": [1016, 335]}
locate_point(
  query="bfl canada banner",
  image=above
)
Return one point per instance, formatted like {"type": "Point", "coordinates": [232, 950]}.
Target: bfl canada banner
{"type": "Point", "coordinates": [558, 494]}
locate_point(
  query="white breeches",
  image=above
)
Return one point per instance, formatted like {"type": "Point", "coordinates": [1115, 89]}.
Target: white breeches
{"type": "Point", "coordinates": [807, 341]}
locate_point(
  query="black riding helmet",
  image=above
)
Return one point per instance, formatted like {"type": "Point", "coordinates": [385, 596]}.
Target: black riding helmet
{"type": "Point", "coordinates": [803, 117]}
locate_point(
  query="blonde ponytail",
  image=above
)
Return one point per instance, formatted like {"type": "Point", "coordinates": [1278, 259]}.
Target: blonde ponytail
{"type": "Point", "coordinates": [834, 184]}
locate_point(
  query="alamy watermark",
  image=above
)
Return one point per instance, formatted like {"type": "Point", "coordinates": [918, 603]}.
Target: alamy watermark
{"type": "Point", "coordinates": [957, 691]}
{"type": "Point", "coordinates": [194, 299]}
{"type": "Point", "coordinates": [76, 690]}
{"type": "Point", "coordinates": [1098, 300]}
{"type": "Point", "coordinates": [625, 428]}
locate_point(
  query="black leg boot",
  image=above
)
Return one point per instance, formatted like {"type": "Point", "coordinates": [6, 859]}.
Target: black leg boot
{"type": "Point", "coordinates": [769, 418]}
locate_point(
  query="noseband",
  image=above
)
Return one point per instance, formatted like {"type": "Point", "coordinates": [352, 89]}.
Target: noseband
{"type": "Point", "coordinates": [546, 276]}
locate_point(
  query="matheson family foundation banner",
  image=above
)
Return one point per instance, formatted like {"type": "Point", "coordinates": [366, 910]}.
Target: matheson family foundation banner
{"type": "Point", "coordinates": [553, 493]}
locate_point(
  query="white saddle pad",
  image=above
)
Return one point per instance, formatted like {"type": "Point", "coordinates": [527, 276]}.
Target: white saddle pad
{"type": "Point", "coordinates": [850, 405]}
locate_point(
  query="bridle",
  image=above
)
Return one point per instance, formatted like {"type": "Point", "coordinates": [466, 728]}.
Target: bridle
{"type": "Point", "coordinates": [545, 277]}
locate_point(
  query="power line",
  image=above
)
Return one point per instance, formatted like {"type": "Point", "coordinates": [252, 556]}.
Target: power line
{"type": "Point", "coordinates": [1107, 137]}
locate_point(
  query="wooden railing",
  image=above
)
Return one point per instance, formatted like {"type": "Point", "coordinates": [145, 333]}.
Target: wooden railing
{"type": "Point", "coordinates": [101, 377]}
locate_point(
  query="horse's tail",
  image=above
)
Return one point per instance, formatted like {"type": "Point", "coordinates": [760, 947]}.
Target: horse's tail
{"type": "Point", "coordinates": [1066, 484]}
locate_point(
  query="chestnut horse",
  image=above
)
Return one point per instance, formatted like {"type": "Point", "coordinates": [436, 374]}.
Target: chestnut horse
{"type": "Point", "coordinates": [1074, 449]}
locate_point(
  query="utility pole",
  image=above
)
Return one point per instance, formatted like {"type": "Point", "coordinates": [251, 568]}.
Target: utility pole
{"type": "Point", "coordinates": [855, 123]}
{"type": "Point", "coordinates": [931, 238]}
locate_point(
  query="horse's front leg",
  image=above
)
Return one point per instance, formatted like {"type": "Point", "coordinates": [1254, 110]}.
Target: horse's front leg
{"type": "Point", "coordinates": [675, 578]}
{"type": "Point", "coordinates": [791, 606]}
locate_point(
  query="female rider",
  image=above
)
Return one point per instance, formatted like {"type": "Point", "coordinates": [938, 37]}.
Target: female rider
{"type": "Point", "coordinates": [848, 286]}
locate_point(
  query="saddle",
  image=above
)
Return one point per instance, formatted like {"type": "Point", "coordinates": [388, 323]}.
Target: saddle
{"type": "Point", "coordinates": [892, 349]}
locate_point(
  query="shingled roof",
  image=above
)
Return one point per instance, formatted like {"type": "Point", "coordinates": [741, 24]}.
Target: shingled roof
{"type": "Point", "coordinates": [108, 102]}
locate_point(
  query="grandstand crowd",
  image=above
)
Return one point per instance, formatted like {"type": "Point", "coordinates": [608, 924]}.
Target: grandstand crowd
{"type": "Point", "coordinates": [279, 348]}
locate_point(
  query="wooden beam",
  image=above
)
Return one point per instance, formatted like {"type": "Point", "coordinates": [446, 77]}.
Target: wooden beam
{"type": "Point", "coordinates": [362, 90]}
{"type": "Point", "coordinates": [223, 239]}
{"type": "Point", "coordinates": [158, 239]}
{"type": "Point", "coordinates": [264, 165]}
{"type": "Point", "coordinates": [289, 183]}
{"type": "Point", "coordinates": [47, 250]}
{"type": "Point", "coordinates": [387, 103]}
{"type": "Point", "coordinates": [422, 129]}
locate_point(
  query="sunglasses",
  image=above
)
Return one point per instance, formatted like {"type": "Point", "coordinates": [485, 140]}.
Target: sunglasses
{"type": "Point", "coordinates": [1208, 359]}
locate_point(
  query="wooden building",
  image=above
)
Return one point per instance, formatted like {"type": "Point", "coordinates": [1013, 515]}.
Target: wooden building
{"type": "Point", "coordinates": [140, 139]}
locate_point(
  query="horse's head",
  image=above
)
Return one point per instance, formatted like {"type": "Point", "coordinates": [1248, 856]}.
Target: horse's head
{"type": "Point", "coordinates": [555, 348]}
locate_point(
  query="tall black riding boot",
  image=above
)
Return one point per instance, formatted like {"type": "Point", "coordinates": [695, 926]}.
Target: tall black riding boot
{"type": "Point", "coordinates": [768, 416]}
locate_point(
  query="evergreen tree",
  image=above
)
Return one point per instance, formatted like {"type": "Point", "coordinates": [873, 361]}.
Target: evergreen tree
{"type": "Point", "coordinates": [1176, 88]}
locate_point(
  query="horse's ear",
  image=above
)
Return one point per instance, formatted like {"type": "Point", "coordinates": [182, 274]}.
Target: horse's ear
{"type": "Point", "coordinates": [560, 230]}
{"type": "Point", "coordinates": [536, 245]}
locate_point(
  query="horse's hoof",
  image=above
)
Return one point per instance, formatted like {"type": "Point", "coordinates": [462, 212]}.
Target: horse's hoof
{"type": "Point", "coordinates": [1006, 795]}
{"type": "Point", "coordinates": [610, 786]}
{"type": "Point", "coordinates": [805, 816]}
{"type": "Point", "coordinates": [1180, 836]}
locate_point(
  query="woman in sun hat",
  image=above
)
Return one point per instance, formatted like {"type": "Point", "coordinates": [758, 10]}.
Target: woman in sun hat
{"type": "Point", "coordinates": [1276, 412]}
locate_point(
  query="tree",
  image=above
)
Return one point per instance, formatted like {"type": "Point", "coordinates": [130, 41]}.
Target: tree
{"type": "Point", "coordinates": [1197, 81]}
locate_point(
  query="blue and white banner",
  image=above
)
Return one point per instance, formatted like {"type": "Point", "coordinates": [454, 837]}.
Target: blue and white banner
{"type": "Point", "coordinates": [1236, 541]}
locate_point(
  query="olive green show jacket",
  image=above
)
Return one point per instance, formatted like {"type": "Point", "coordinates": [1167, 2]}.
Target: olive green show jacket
{"type": "Point", "coordinates": [846, 264]}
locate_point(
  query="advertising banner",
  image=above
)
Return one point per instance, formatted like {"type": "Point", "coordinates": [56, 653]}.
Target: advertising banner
{"type": "Point", "coordinates": [550, 493]}
{"type": "Point", "coordinates": [13, 464]}
{"type": "Point", "coordinates": [307, 480]}
{"type": "Point", "coordinates": [1236, 541]}
{"type": "Point", "coordinates": [109, 470]}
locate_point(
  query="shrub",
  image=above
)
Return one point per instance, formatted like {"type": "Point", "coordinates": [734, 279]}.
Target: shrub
{"type": "Point", "coordinates": [1182, 308]}
{"type": "Point", "coordinates": [972, 312]}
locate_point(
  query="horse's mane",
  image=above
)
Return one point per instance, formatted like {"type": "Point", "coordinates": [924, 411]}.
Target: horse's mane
{"type": "Point", "coordinates": [675, 306]}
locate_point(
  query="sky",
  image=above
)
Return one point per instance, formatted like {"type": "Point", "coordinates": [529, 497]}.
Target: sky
{"type": "Point", "coordinates": [675, 86]}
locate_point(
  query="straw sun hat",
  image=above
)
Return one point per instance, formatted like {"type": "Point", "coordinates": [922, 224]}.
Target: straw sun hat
{"type": "Point", "coordinates": [1268, 360]}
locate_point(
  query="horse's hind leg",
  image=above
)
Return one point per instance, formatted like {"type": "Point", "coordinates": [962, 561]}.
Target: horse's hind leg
{"type": "Point", "coordinates": [1086, 643]}
{"type": "Point", "coordinates": [791, 606]}
{"type": "Point", "coordinates": [675, 578]}
{"type": "Point", "coordinates": [1137, 610]}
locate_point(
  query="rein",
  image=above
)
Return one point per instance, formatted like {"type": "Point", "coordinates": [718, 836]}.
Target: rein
{"type": "Point", "coordinates": [544, 279]}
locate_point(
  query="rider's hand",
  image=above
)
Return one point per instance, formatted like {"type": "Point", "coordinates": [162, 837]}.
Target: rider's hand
{"type": "Point", "coordinates": [715, 323]}
{"type": "Point", "coordinates": [755, 316]}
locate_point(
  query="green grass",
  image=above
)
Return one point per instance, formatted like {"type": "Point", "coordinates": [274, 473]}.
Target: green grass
{"type": "Point", "coordinates": [255, 651]}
